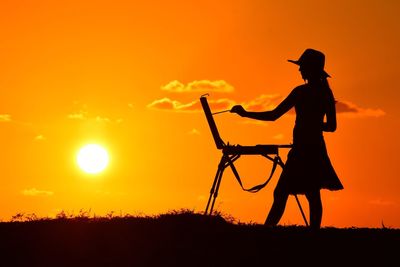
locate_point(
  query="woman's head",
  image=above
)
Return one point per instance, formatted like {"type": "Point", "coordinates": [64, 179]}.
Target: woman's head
{"type": "Point", "coordinates": [311, 73]}
{"type": "Point", "coordinates": [311, 64]}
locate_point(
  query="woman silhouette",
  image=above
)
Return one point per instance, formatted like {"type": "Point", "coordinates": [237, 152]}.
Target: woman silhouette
{"type": "Point", "coordinates": [308, 168]}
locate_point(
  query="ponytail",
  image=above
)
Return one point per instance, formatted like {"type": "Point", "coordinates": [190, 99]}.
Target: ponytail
{"type": "Point", "coordinates": [325, 83]}
{"type": "Point", "coordinates": [327, 91]}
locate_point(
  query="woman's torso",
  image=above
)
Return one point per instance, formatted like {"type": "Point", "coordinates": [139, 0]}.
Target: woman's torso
{"type": "Point", "coordinates": [310, 107]}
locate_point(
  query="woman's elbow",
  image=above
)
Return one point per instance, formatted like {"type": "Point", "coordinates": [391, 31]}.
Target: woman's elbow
{"type": "Point", "coordinates": [330, 128]}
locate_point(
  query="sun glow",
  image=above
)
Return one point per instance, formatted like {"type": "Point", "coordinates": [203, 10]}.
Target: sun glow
{"type": "Point", "coordinates": [92, 158]}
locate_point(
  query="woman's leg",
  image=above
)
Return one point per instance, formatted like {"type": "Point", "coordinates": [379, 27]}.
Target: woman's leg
{"type": "Point", "coordinates": [315, 203]}
{"type": "Point", "coordinates": [278, 207]}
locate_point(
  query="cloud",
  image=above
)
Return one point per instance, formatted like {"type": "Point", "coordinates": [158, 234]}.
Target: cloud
{"type": "Point", "coordinates": [380, 202]}
{"type": "Point", "coordinates": [33, 192]}
{"type": "Point", "coordinates": [168, 104]}
{"type": "Point", "coordinates": [263, 102]}
{"type": "Point", "coordinates": [175, 105]}
{"type": "Point", "coordinates": [352, 110]}
{"type": "Point", "coordinates": [205, 86]}
{"type": "Point", "coordinates": [349, 109]}
{"type": "Point", "coordinates": [260, 103]}
{"type": "Point", "coordinates": [77, 116]}
{"type": "Point", "coordinates": [103, 119]}
{"type": "Point", "coordinates": [5, 117]}
{"type": "Point", "coordinates": [84, 115]}
{"type": "Point", "coordinates": [174, 86]}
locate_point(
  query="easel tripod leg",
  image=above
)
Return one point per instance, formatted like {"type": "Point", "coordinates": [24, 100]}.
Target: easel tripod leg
{"type": "Point", "coordinates": [301, 210]}
{"type": "Point", "coordinates": [216, 190]}
{"type": "Point", "coordinates": [297, 199]}
{"type": "Point", "coordinates": [218, 176]}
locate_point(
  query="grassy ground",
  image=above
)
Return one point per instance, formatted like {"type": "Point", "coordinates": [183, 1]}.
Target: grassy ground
{"type": "Point", "coordinates": [185, 238]}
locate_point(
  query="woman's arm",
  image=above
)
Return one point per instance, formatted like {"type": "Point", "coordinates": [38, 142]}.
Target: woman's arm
{"type": "Point", "coordinates": [330, 124]}
{"type": "Point", "coordinates": [272, 115]}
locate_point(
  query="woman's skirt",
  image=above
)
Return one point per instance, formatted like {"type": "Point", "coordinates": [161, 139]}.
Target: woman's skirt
{"type": "Point", "coordinates": [308, 168]}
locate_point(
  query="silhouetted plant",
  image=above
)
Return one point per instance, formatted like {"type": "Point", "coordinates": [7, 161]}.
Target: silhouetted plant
{"type": "Point", "coordinates": [32, 217]}
{"type": "Point", "coordinates": [110, 215]}
{"type": "Point", "coordinates": [19, 217]}
{"type": "Point", "coordinates": [63, 215]}
{"type": "Point", "coordinates": [83, 214]}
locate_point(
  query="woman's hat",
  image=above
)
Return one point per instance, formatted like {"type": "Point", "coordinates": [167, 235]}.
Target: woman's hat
{"type": "Point", "coordinates": [312, 58]}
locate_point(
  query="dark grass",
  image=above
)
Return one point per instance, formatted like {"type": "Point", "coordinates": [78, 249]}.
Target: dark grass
{"type": "Point", "coordinates": [185, 238]}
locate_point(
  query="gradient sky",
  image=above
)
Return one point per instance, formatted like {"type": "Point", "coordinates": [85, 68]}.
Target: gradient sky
{"type": "Point", "coordinates": [128, 75]}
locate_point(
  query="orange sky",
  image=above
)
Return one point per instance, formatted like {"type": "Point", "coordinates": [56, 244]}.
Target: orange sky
{"type": "Point", "coordinates": [125, 74]}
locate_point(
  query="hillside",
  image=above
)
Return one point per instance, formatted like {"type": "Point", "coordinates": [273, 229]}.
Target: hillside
{"type": "Point", "coordinates": [188, 239]}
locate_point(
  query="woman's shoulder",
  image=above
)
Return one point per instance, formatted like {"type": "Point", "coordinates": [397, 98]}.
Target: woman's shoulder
{"type": "Point", "coordinates": [299, 88]}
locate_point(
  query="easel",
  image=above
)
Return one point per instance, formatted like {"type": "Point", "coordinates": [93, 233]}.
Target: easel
{"type": "Point", "coordinates": [232, 153]}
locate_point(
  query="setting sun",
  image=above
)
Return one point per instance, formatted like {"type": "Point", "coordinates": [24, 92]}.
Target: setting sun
{"type": "Point", "coordinates": [92, 158]}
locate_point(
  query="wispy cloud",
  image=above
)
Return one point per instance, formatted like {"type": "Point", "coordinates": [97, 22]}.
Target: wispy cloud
{"type": "Point", "coordinates": [84, 115]}
{"type": "Point", "coordinates": [77, 116]}
{"type": "Point", "coordinates": [174, 105]}
{"type": "Point", "coordinates": [345, 108]}
{"type": "Point", "coordinates": [352, 110]}
{"type": "Point", "coordinates": [380, 202]}
{"type": "Point", "coordinates": [102, 119]}
{"type": "Point", "coordinates": [269, 102]}
{"type": "Point", "coordinates": [260, 103]}
{"type": "Point", "coordinates": [263, 102]}
{"type": "Point", "coordinates": [5, 117]}
{"type": "Point", "coordinates": [33, 192]}
{"type": "Point", "coordinates": [169, 104]}
{"type": "Point", "coordinates": [198, 86]}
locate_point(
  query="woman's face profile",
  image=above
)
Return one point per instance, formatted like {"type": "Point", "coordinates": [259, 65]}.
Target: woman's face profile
{"type": "Point", "coordinates": [304, 72]}
{"type": "Point", "coordinates": [308, 72]}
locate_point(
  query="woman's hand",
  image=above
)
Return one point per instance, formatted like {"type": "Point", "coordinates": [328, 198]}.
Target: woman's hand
{"type": "Point", "coordinates": [239, 110]}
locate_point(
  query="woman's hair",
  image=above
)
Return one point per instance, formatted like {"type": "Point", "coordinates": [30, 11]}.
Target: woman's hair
{"type": "Point", "coordinates": [325, 83]}
{"type": "Point", "coordinates": [327, 91]}
{"type": "Point", "coordinates": [318, 74]}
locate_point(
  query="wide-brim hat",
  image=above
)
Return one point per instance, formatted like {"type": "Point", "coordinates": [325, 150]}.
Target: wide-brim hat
{"type": "Point", "coordinates": [312, 58]}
